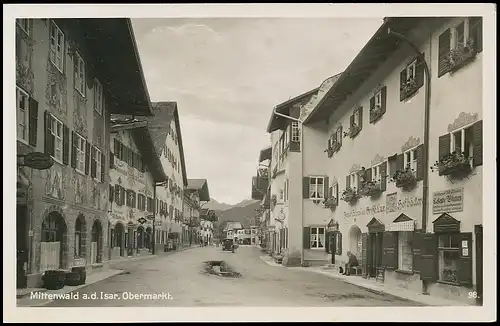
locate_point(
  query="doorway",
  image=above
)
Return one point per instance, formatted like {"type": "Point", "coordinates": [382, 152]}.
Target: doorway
{"type": "Point", "coordinates": [22, 245]}
{"type": "Point", "coordinates": [375, 248]}
{"type": "Point", "coordinates": [53, 241]}
{"type": "Point", "coordinates": [478, 230]}
{"type": "Point", "coordinates": [96, 244]}
{"type": "Point", "coordinates": [120, 237]}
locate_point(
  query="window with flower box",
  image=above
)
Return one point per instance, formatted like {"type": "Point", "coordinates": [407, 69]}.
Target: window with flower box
{"type": "Point", "coordinates": [378, 104]}
{"type": "Point", "coordinates": [356, 122]}
{"type": "Point", "coordinates": [57, 44]}
{"type": "Point", "coordinates": [410, 159]}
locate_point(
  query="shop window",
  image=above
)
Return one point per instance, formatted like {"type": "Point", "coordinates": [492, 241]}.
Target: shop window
{"type": "Point", "coordinates": [449, 257]}
{"type": "Point", "coordinates": [405, 251]}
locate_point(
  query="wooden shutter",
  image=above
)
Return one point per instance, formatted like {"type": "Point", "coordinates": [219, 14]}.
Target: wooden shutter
{"type": "Point", "coordinates": [429, 257]}
{"type": "Point", "coordinates": [420, 70]}
{"type": "Point", "coordinates": [339, 136]}
{"type": "Point", "coordinates": [402, 82]}
{"type": "Point", "coordinates": [122, 195]}
{"type": "Point", "coordinates": [103, 166]}
{"type": "Point", "coordinates": [49, 138]}
{"type": "Point", "coordinates": [348, 182]}
{"type": "Point", "coordinates": [390, 250]}
{"type": "Point", "coordinates": [337, 192]}
{"type": "Point", "coordinates": [116, 147]}
{"type": "Point", "coordinates": [306, 238]}
{"type": "Point", "coordinates": [338, 248]}
{"type": "Point", "coordinates": [326, 183]}
{"type": "Point", "coordinates": [476, 32]}
{"type": "Point", "coordinates": [419, 152]}
{"type": "Point", "coordinates": [330, 192]}
{"type": "Point", "coordinates": [74, 146]}
{"type": "Point", "coordinates": [383, 176]}
{"type": "Point", "coordinates": [305, 187]}
{"type": "Point", "coordinates": [417, 250]}
{"type": "Point", "coordinates": [372, 107]}
{"type": "Point", "coordinates": [351, 121]}
{"type": "Point", "coordinates": [364, 255]}
{"type": "Point", "coordinates": [360, 177]}
{"type": "Point", "coordinates": [111, 193]}
{"type": "Point", "coordinates": [368, 174]}
{"type": "Point", "coordinates": [65, 156]}
{"type": "Point", "coordinates": [391, 161]}
{"type": "Point", "coordinates": [400, 162]}
{"type": "Point", "coordinates": [444, 52]}
{"type": "Point", "coordinates": [111, 160]}
{"type": "Point", "coordinates": [93, 164]}
{"type": "Point", "coordinates": [444, 145]}
{"type": "Point", "coordinates": [87, 158]}
{"type": "Point", "coordinates": [117, 195]}
{"type": "Point", "coordinates": [477, 154]}
{"type": "Point", "coordinates": [384, 99]}
{"type": "Point", "coordinates": [360, 109]}
{"type": "Point", "coordinates": [33, 121]}
{"type": "Point", "coordinates": [465, 264]}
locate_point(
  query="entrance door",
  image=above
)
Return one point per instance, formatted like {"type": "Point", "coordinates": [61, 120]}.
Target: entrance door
{"type": "Point", "coordinates": [22, 247]}
{"type": "Point", "coordinates": [478, 229]}
{"type": "Point", "coordinates": [375, 253]}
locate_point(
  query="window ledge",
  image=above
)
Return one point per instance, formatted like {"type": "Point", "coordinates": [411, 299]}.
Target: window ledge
{"type": "Point", "coordinates": [448, 283]}
{"type": "Point", "coordinates": [404, 272]}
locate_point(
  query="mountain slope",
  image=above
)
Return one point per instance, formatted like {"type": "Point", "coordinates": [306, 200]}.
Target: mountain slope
{"type": "Point", "coordinates": [216, 206]}
{"type": "Point", "coordinates": [245, 214]}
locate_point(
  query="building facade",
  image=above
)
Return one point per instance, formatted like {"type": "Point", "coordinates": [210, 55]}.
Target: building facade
{"type": "Point", "coordinates": [375, 172]}
{"type": "Point", "coordinates": [199, 194]}
{"type": "Point", "coordinates": [64, 101]}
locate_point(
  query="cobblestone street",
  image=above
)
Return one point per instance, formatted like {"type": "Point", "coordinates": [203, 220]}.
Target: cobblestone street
{"type": "Point", "coordinates": [181, 276]}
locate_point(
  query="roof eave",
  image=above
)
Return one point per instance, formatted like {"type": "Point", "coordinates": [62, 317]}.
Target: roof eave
{"type": "Point", "coordinates": [265, 154]}
{"type": "Point", "coordinates": [142, 139]}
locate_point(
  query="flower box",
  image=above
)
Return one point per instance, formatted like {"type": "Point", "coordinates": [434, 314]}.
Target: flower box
{"type": "Point", "coordinates": [354, 130]}
{"type": "Point", "coordinates": [330, 202]}
{"type": "Point", "coordinates": [376, 113]}
{"type": "Point", "coordinates": [462, 55]}
{"type": "Point", "coordinates": [370, 189]}
{"type": "Point", "coordinates": [350, 195]}
{"type": "Point", "coordinates": [409, 87]}
{"type": "Point", "coordinates": [404, 178]}
{"type": "Point", "coordinates": [455, 164]}
{"type": "Point", "coordinates": [335, 146]}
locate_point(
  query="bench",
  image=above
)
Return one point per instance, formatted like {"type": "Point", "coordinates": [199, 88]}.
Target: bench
{"type": "Point", "coordinates": [356, 270]}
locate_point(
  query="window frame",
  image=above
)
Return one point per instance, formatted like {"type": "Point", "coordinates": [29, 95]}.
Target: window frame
{"type": "Point", "coordinates": [317, 241]}
{"type": "Point", "coordinates": [58, 122]}
{"type": "Point", "coordinates": [441, 250]}
{"type": "Point", "coordinates": [26, 114]}
{"type": "Point", "coordinates": [413, 66]}
{"type": "Point", "coordinates": [357, 117]}
{"type": "Point", "coordinates": [353, 179]}
{"type": "Point", "coordinates": [317, 178]}
{"type": "Point", "coordinates": [335, 190]}
{"type": "Point", "coordinates": [454, 44]}
{"type": "Point", "coordinates": [378, 101]}
{"type": "Point", "coordinates": [98, 90]}
{"type": "Point", "coordinates": [413, 163]}
{"type": "Point", "coordinates": [97, 158]}
{"type": "Point", "coordinates": [463, 132]}
{"type": "Point", "coordinates": [81, 140]}
{"type": "Point", "coordinates": [79, 76]}
{"type": "Point", "coordinates": [409, 243]}
{"type": "Point", "coordinates": [59, 33]}
{"type": "Point", "coordinates": [295, 132]}
{"type": "Point", "coordinates": [375, 173]}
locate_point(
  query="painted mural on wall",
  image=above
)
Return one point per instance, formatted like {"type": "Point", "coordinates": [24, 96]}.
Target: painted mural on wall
{"type": "Point", "coordinates": [79, 184]}
{"type": "Point", "coordinates": [56, 90]}
{"type": "Point", "coordinates": [79, 113]}
{"type": "Point", "coordinates": [24, 57]}
{"type": "Point", "coordinates": [55, 182]}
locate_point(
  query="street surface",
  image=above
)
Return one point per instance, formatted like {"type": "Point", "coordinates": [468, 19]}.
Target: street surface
{"type": "Point", "coordinates": [181, 276]}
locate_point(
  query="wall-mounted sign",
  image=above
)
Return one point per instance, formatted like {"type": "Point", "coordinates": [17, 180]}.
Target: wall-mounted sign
{"type": "Point", "coordinates": [36, 160]}
{"type": "Point", "coordinates": [393, 205]}
{"type": "Point", "coordinates": [79, 262]}
{"type": "Point", "coordinates": [447, 201]}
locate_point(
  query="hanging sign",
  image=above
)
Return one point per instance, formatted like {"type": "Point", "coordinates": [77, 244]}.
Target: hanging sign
{"type": "Point", "coordinates": [36, 160]}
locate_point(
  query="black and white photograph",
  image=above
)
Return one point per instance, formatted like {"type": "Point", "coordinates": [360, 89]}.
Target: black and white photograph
{"type": "Point", "coordinates": [259, 161]}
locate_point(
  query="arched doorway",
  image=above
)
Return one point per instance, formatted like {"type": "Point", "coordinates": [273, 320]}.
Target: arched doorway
{"type": "Point", "coordinates": [140, 237]}
{"type": "Point", "coordinates": [355, 241]}
{"type": "Point", "coordinates": [119, 238]}
{"type": "Point", "coordinates": [54, 238]}
{"type": "Point", "coordinates": [96, 244]}
{"type": "Point", "coordinates": [148, 237]}
{"type": "Point", "coordinates": [80, 237]}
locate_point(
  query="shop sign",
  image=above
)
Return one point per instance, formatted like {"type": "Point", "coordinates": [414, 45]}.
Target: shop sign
{"type": "Point", "coordinates": [79, 262]}
{"type": "Point", "coordinates": [392, 205]}
{"type": "Point", "coordinates": [36, 160]}
{"type": "Point", "coordinates": [447, 201]}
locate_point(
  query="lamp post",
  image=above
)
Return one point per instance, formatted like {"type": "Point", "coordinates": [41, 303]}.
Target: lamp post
{"type": "Point", "coordinates": [333, 228]}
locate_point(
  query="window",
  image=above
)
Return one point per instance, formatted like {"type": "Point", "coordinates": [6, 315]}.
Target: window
{"type": "Point", "coordinates": [22, 101]}
{"type": "Point", "coordinates": [295, 131]}
{"type": "Point", "coordinates": [357, 118]}
{"type": "Point", "coordinates": [80, 153]}
{"type": "Point", "coordinates": [353, 179]}
{"type": "Point", "coordinates": [24, 23]}
{"type": "Point", "coordinates": [376, 172]}
{"type": "Point", "coordinates": [405, 251]}
{"type": "Point", "coordinates": [96, 157]}
{"type": "Point", "coordinates": [462, 142]}
{"type": "Point", "coordinates": [410, 70]}
{"type": "Point", "coordinates": [378, 103]}
{"type": "Point", "coordinates": [317, 237]}
{"type": "Point", "coordinates": [98, 96]}
{"type": "Point", "coordinates": [460, 35]}
{"type": "Point", "coordinates": [79, 77]}
{"type": "Point", "coordinates": [56, 130]}
{"type": "Point", "coordinates": [449, 257]}
{"type": "Point", "coordinates": [316, 188]}
{"type": "Point", "coordinates": [335, 190]}
{"type": "Point", "coordinates": [56, 46]}
{"type": "Point", "coordinates": [410, 159]}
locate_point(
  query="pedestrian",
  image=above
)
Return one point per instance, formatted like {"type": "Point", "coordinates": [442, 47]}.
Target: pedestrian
{"type": "Point", "coordinates": [352, 262]}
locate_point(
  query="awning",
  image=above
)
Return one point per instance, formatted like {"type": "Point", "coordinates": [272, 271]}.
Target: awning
{"type": "Point", "coordinates": [401, 226]}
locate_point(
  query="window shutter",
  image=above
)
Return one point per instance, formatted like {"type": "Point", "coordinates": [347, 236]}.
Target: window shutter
{"type": "Point", "coordinates": [306, 238]}
{"type": "Point", "coordinates": [400, 162]}
{"type": "Point", "coordinates": [390, 250]}
{"type": "Point", "coordinates": [339, 136]}
{"type": "Point", "coordinates": [429, 257]}
{"type": "Point", "coordinates": [65, 153]}
{"type": "Point", "coordinates": [111, 193]}
{"type": "Point", "coordinates": [420, 70]}
{"type": "Point", "coordinates": [122, 195]}
{"type": "Point", "coordinates": [328, 240]}
{"type": "Point", "coordinates": [417, 251]}
{"type": "Point", "coordinates": [384, 99]}
{"type": "Point", "coordinates": [33, 121]}
{"type": "Point", "coordinates": [74, 146]}
{"type": "Point", "coordinates": [305, 187]}
{"type": "Point", "coordinates": [368, 175]}
{"type": "Point", "coordinates": [419, 152]}
{"type": "Point", "coordinates": [360, 109]}
{"type": "Point", "coordinates": [326, 183]}
{"type": "Point", "coordinates": [361, 177]}
{"type": "Point", "coordinates": [465, 264]}
{"type": "Point", "coordinates": [391, 161]}
{"type": "Point", "coordinates": [444, 145]}
{"type": "Point", "coordinates": [103, 166]}
{"type": "Point", "coordinates": [49, 138]}
{"type": "Point", "coordinates": [330, 192]}
{"type": "Point", "coordinates": [383, 176]}
{"type": "Point", "coordinates": [348, 182]}
{"type": "Point", "coordinates": [364, 255]}
{"type": "Point", "coordinates": [477, 154]}
{"type": "Point", "coordinates": [87, 158]}
{"type": "Point", "coordinates": [116, 147]}
{"type": "Point", "coordinates": [444, 52]}
{"type": "Point", "coordinates": [402, 82]}
{"type": "Point", "coordinates": [476, 32]}
{"type": "Point", "coordinates": [337, 193]}
{"type": "Point", "coordinates": [93, 165]}
{"type": "Point", "coordinates": [351, 121]}
{"type": "Point", "coordinates": [117, 195]}
{"type": "Point", "coordinates": [111, 160]}
{"type": "Point", "coordinates": [372, 107]}
{"type": "Point", "coordinates": [338, 246]}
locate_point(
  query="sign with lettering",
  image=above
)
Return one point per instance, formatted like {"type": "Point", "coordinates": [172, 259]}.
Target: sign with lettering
{"type": "Point", "coordinates": [79, 262]}
{"type": "Point", "coordinates": [391, 206]}
{"type": "Point", "coordinates": [447, 201]}
{"type": "Point", "coordinates": [391, 202]}
{"type": "Point", "coordinates": [36, 160]}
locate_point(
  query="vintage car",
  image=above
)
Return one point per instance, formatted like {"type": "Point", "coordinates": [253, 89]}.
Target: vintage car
{"type": "Point", "coordinates": [228, 244]}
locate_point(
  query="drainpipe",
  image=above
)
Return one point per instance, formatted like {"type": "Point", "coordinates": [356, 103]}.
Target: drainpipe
{"type": "Point", "coordinates": [425, 176]}
{"type": "Point", "coordinates": [301, 129]}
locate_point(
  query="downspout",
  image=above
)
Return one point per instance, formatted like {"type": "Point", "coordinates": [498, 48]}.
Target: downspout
{"type": "Point", "coordinates": [425, 172]}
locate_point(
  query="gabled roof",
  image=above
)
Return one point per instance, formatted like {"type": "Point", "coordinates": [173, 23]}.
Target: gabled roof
{"type": "Point", "coordinates": [200, 185]}
{"type": "Point", "coordinates": [159, 123]}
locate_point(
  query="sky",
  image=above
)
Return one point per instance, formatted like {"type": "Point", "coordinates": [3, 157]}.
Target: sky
{"type": "Point", "coordinates": [227, 74]}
